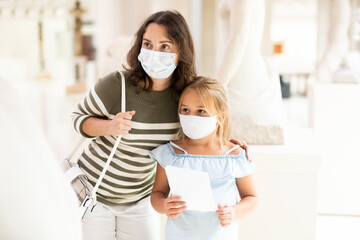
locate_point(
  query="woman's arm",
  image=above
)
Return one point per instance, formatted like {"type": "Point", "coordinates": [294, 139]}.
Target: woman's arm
{"type": "Point", "coordinates": [249, 199]}
{"type": "Point", "coordinates": [244, 146]}
{"type": "Point", "coordinates": [171, 206]}
{"type": "Point", "coordinates": [91, 116]}
{"type": "Point", "coordinates": [120, 125]}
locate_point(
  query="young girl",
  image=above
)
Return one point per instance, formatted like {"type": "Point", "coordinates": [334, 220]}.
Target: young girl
{"type": "Point", "coordinates": [204, 146]}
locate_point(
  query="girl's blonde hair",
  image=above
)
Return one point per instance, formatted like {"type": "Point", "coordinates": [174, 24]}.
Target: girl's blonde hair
{"type": "Point", "coordinates": [213, 96]}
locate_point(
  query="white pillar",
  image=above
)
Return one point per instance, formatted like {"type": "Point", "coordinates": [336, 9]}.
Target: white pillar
{"type": "Point", "coordinates": [336, 45]}
{"type": "Point", "coordinates": [196, 9]}
{"type": "Point", "coordinates": [109, 22]}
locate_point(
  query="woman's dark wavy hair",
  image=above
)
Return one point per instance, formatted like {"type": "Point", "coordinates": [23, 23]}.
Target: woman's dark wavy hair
{"type": "Point", "coordinates": [178, 31]}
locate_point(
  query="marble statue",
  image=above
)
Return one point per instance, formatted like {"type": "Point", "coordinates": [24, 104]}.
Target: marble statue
{"type": "Point", "coordinates": [253, 84]}
{"type": "Point", "coordinates": [36, 202]}
{"type": "Point", "coordinates": [337, 40]}
{"type": "Point", "coordinates": [349, 69]}
{"type": "Point", "coordinates": [115, 55]}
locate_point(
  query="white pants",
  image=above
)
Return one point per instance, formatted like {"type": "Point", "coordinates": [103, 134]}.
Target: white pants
{"type": "Point", "coordinates": [137, 221]}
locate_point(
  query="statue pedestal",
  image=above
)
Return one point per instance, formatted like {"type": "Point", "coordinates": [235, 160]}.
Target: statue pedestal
{"type": "Point", "coordinates": [335, 117]}
{"type": "Point", "coordinates": [79, 68]}
{"type": "Point", "coordinates": [286, 180]}
{"type": "Point", "coordinates": [76, 88]}
{"type": "Point", "coordinates": [43, 76]}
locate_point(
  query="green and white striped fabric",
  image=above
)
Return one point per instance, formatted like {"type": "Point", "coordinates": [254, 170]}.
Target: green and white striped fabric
{"type": "Point", "coordinates": [131, 173]}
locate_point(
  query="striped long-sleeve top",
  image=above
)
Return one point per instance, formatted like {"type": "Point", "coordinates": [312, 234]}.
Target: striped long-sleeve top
{"type": "Point", "coordinates": [131, 173]}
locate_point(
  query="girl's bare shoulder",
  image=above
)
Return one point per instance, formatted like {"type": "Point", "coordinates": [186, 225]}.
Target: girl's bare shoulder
{"type": "Point", "coordinates": [178, 143]}
{"type": "Point", "coordinates": [236, 151]}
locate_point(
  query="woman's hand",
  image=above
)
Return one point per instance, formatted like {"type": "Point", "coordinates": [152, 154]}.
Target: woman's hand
{"type": "Point", "coordinates": [121, 123]}
{"type": "Point", "coordinates": [244, 146]}
{"type": "Point", "coordinates": [226, 214]}
{"type": "Point", "coordinates": [174, 206]}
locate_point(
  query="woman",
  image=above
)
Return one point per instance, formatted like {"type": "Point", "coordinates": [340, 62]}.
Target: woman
{"type": "Point", "coordinates": [160, 63]}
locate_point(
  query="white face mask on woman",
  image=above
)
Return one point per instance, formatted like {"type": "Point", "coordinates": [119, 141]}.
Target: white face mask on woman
{"type": "Point", "coordinates": [158, 65]}
{"type": "Point", "coordinates": [196, 127]}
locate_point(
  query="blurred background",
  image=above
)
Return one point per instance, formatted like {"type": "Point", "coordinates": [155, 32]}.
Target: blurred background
{"type": "Point", "coordinates": [53, 51]}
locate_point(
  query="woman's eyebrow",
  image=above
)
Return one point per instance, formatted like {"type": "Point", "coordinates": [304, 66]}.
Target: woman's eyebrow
{"type": "Point", "coordinates": [167, 41]}
{"type": "Point", "coordinates": [164, 41]}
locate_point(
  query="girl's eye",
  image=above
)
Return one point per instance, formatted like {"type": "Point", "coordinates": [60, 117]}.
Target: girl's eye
{"type": "Point", "coordinates": [185, 110]}
{"type": "Point", "coordinates": [201, 111]}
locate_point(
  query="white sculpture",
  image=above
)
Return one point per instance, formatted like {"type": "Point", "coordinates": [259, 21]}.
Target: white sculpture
{"type": "Point", "coordinates": [36, 202]}
{"type": "Point", "coordinates": [253, 85]}
{"type": "Point", "coordinates": [115, 55]}
{"type": "Point", "coordinates": [349, 69]}
{"type": "Point", "coordinates": [337, 41]}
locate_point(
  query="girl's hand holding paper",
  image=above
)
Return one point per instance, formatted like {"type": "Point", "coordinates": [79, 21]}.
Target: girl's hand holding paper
{"type": "Point", "coordinates": [174, 206]}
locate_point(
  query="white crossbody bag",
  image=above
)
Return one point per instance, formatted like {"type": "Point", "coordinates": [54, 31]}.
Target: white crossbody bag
{"type": "Point", "coordinates": [76, 177]}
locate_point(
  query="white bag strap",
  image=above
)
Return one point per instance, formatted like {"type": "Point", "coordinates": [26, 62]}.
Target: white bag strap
{"type": "Point", "coordinates": [93, 192]}
{"type": "Point", "coordinates": [73, 170]}
{"type": "Point", "coordinates": [72, 173]}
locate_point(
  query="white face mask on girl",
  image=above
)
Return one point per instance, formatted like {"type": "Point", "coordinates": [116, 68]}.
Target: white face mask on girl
{"type": "Point", "coordinates": [196, 127]}
{"type": "Point", "coordinates": [157, 65]}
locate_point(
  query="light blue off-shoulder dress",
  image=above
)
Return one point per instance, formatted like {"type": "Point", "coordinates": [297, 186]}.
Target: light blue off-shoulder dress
{"type": "Point", "coordinates": [222, 170]}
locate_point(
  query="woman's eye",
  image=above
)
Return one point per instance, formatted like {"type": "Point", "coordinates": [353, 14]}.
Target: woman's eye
{"type": "Point", "coordinates": [165, 47]}
{"type": "Point", "coordinates": [147, 45]}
